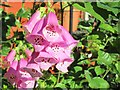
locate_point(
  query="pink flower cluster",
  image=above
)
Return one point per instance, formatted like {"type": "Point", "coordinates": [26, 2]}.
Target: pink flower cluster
{"type": "Point", "coordinates": [19, 73]}
{"type": "Point", "coordinates": [52, 46]}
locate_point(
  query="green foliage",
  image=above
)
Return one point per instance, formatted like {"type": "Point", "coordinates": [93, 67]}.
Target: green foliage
{"type": "Point", "coordinates": [100, 34]}
{"type": "Point", "coordinates": [102, 40]}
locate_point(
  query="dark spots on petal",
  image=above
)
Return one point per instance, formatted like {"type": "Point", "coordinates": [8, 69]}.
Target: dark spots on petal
{"type": "Point", "coordinates": [34, 71]}
{"type": "Point", "coordinates": [38, 40]}
{"type": "Point", "coordinates": [12, 76]}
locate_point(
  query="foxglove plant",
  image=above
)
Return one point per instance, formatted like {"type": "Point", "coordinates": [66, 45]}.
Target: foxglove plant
{"type": "Point", "coordinates": [54, 40]}
{"type": "Point", "coordinates": [52, 47]}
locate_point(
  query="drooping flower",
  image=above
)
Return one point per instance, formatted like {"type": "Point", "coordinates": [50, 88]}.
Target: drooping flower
{"type": "Point", "coordinates": [52, 31]}
{"type": "Point", "coordinates": [63, 65]}
{"type": "Point", "coordinates": [25, 81]}
{"type": "Point", "coordinates": [52, 43]}
{"type": "Point", "coordinates": [9, 59]}
{"type": "Point", "coordinates": [34, 70]}
{"type": "Point", "coordinates": [26, 84]}
{"type": "Point", "coordinates": [38, 41]}
{"type": "Point", "coordinates": [12, 75]}
{"type": "Point", "coordinates": [67, 37]}
{"type": "Point", "coordinates": [45, 60]}
{"type": "Point", "coordinates": [28, 53]}
{"type": "Point", "coordinates": [32, 22]}
{"type": "Point", "coordinates": [57, 50]}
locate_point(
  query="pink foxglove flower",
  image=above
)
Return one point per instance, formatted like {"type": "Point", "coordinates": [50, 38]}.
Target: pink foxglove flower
{"type": "Point", "coordinates": [45, 60]}
{"type": "Point", "coordinates": [34, 70]}
{"type": "Point", "coordinates": [48, 27]}
{"type": "Point", "coordinates": [38, 41]}
{"type": "Point", "coordinates": [12, 74]}
{"type": "Point", "coordinates": [52, 31]}
{"type": "Point", "coordinates": [32, 22]}
{"type": "Point", "coordinates": [52, 44]}
{"type": "Point", "coordinates": [67, 37]}
{"type": "Point", "coordinates": [28, 53]}
{"type": "Point", "coordinates": [57, 50]}
{"type": "Point", "coordinates": [26, 84]}
{"type": "Point", "coordinates": [9, 59]}
{"type": "Point", "coordinates": [63, 65]}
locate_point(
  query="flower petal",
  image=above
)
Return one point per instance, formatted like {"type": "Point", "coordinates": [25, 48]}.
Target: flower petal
{"type": "Point", "coordinates": [52, 19]}
{"type": "Point", "coordinates": [31, 23]}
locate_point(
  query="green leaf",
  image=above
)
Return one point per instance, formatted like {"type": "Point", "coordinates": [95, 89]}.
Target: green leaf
{"type": "Point", "coordinates": [23, 13]}
{"type": "Point", "coordinates": [107, 7]}
{"type": "Point", "coordinates": [99, 70]}
{"type": "Point", "coordinates": [107, 27]}
{"type": "Point", "coordinates": [17, 22]}
{"type": "Point", "coordinates": [8, 31]}
{"type": "Point", "coordinates": [72, 84]}
{"type": "Point", "coordinates": [90, 10]}
{"type": "Point", "coordinates": [1, 11]}
{"type": "Point", "coordinates": [77, 68]}
{"type": "Point", "coordinates": [41, 83]}
{"type": "Point", "coordinates": [78, 6]}
{"type": "Point", "coordinates": [89, 29]}
{"type": "Point", "coordinates": [87, 75]}
{"type": "Point", "coordinates": [98, 82]}
{"type": "Point", "coordinates": [117, 65]}
{"type": "Point", "coordinates": [53, 78]}
{"type": "Point", "coordinates": [79, 44]}
{"type": "Point", "coordinates": [60, 85]}
{"type": "Point", "coordinates": [5, 50]}
{"type": "Point", "coordinates": [104, 58]}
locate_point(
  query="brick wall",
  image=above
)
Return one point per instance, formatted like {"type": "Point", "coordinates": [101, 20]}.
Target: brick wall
{"type": "Point", "coordinates": [15, 5]}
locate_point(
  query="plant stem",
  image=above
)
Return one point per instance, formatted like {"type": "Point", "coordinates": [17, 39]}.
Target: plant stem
{"type": "Point", "coordinates": [106, 73]}
{"type": "Point", "coordinates": [58, 79]}
{"type": "Point", "coordinates": [35, 85]}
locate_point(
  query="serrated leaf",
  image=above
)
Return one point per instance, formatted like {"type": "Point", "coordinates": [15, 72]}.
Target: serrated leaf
{"type": "Point", "coordinates": [99, 70]}
{"type": "Point", "coordinates": [98, 82]}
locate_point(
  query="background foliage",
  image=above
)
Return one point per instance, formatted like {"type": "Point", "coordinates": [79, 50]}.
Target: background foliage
{"type": "Point", "coordinates": [100, 34]}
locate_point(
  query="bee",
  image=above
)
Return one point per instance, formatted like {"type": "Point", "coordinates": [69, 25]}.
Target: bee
{"type": "Point", "coordinates": [86, 51]}
{"type": "Point", "coordinates": [52, 70]}
{"type": "Point", "coordinates": [83, 49]}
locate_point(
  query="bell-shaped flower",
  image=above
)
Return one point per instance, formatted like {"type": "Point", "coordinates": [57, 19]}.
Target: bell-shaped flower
{"type": "Point", "coordinates": [34, 70]}
{"type": "Point", "coordinates": [57, 50]}
{"type": "Point", "coordinates": [52, 31]}
{"type": "Point", "coordinates": [12, 75]}
{"type": "Point", "coordinates": [45, 60]}
{"type": "Point", "coordinates": [22, 63]}
{"type": "Point", "coordinates": [63, 65]}
{"type": "Point", "coordinates": [28, 53]}
{"type": "Point", "coordinates": [26, 84]}
{"type": "Point", "coordinates": [32, 22]}
{"type": "Point", "coordinates": [67, 37]}
{"type": "Point", "coordinates": [48, 27]}
{"type": "Point", "coordinates": [38, 41]}
{"type": "Point", "coordinates": [9, 59]}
